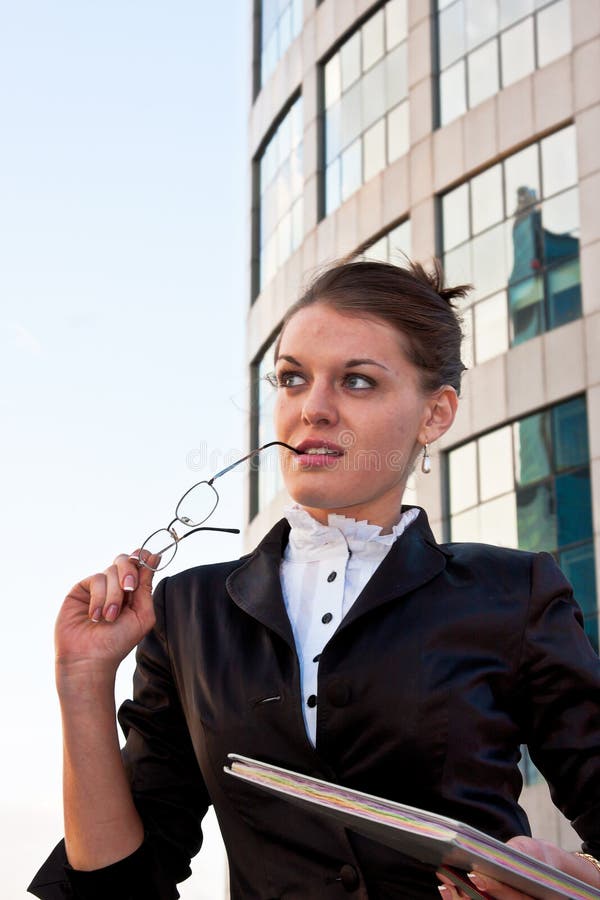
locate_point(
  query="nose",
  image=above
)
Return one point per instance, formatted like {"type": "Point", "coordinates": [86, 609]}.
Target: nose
{"type": "Point", "coordinates": [320, 407]}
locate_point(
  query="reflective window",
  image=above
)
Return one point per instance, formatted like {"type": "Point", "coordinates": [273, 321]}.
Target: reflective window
{"type": "Point", "coordinates": [393, 246]}
{"type": "Point", "coordinates": [281, 184]}
{"type": "Point", "coordinates": [265, 472]}
{"type": "Point", "coordinates": [527, 485]}
{"type": "Point", "coordinates": [366, 103]}
{"type": "Point", "coordinates": [281, 22]}
{"type": "Point", "coordinates": [485, 45]}
{"type": "Point", "coordinates": [513, 232]}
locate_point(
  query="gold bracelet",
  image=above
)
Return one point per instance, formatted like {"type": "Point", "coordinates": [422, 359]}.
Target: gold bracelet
{"type": "Point", "coordinates": [590, 858]}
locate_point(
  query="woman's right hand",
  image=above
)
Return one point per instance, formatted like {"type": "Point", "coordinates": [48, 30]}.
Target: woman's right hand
{"type": "Point", "coordinates": [103, 618]}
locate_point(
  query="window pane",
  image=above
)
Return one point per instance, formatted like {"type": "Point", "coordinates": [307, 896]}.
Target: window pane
{"type": "Point", "coordinates": [455, 215]}
{"type": "Point", "coordinates": [372, 40]}
{"type": "Point", "coordinates": [570, 434]}
{"type": "Point", "coordinates": [526, 309]}
{"type": "Point", "coordinates": [466, 526]}
{"type": "Point", "coordinates": [536, 517]}
{"type": "Point", "coordinates": [484, 78]}
{"type": "Point", "coordinates": [351, 169]}
{"type": "Point", "coordinates": [559, 161]}
{"type": "Point", "coordinates": [398, 138]}
{"type": "Point", "coordinates": [491, 327]}
{"type": "Point", "coordinates": [374, 149]}
{"type": "Point", "coordinates": [486, 198]}
{"type": "Point", "coordinates": [399, 245]}
{"type": "Point", "coordinates": [372, 96]}
{"type": "Point", "coordinates": [553, 32]}
{"type": "Point", "coordinates": [351, 125]}
{"type": "Point", "coordinates": [521, 170]}
{"type": "Point", "coordinates": [269, 475]}
{"type": "Point", "coordinates": [512, 10]}
{"type": "Point", "coordinates": [574, 507]}
{"type": "Point", "coordinates": [564, 293]}
{"type": "Point", "coordinates": [482, 21]}
{"type": "Point", "coordinates": [516, 46]}
{"type": "Point", "coordinates": [378, 250]}
{"type": "Point", "coordinates": [458, 268]}
{"type": "Point", "coordinates": [466, 349]}
{"type": "Point", "coordinates": [297, 223]}
{"type": "Point", "coordinates": [463, 477]}
{"type": "Point", "coordinates": [453, 99]}
{"type": "Point", "coordinates": [498, 521]}
{"type": "Point", "coordinates": [533, 450]}
{"type": "Point", "coordinates": [333, 131]}
{"type": "Point", "coordinates": [396, 21]}
{"type": "Point", "coordinates": [452, 33]}
{"type": "Point", "coordinates": [579, 567]}
{"type": "Point", "coordinates": [350, 61]}
{"type": "Point", "coordinates": [495, 463]}
{"type": "Point", "coordinates": [396, 76]}
{"type": "Point", "coordinates": [333, 80]}
{"type": "Point", "coordinates": [489, 261]}
{"type": "Point", "coordinates": [333, 186]}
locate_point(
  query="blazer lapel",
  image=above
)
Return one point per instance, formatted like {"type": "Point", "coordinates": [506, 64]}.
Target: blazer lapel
{"type": "Point", "coordinates": [414, 559]}
{"type": "Point", "coordinates": [256, 587]}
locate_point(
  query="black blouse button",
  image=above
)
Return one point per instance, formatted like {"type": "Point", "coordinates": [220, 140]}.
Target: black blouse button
{"type": "Point", "coordinates": [317, 657]}
{"type": "Point", "coordinates": [326, 618]}
{"type": "Point", "coordinates": [349, 878]}
{"type": "Point", "coordinates": [332, 576]}
{"type": "Point", "coordinates": [312, 701]}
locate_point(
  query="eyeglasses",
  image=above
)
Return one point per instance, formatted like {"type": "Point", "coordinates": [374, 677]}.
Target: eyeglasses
{"type": "Point", "coordinates": [195, 507]}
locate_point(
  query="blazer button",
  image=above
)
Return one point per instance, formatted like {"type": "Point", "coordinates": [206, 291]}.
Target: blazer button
{"type": "Point", "coordinates": [349, 878]}
{"type": "Point", "coordinates": [339, 693]}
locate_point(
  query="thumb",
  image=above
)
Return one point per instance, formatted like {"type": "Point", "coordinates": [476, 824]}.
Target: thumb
{"type": "Point", "coordinates": [148, 563]}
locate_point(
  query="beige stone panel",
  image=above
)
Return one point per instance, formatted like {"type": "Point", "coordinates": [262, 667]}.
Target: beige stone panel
{"type": "Point", "coordinates": [370, 209]}
{"type": "Point", "coordinates": [429, 487]}
{"type": "Point", "coordinates": [593, 411]}
{"type": "Point", "coordinates": [488, 394]}
{"type": "Point", "coordinates": [589, 257]}
{"type": "Point", "coordinates": [360, 7]}
{"type": "Point", "coordinates": [419, 52]}
{"type": "Point", "coordinates": [310, 203]}
{"type": "Point", "coordinates": [347, 226]}
{"type": "Point", "coordinates": [417, 11]}
{"type": "Point", "coordinates": [585, 20]}
{"type": "Point", "coordinates": [309, 256]}
{"type": "Point", "coordinates": [309, 99]}
{"type": "Point", "coordinates": [421, 171]}
{"type": "Point", "coordinates": [422, 230]}
{"type": "Point", "coordinates": [448, 155]}
{"type": "Point", "coordinates": [552, 94]}
{"type": "Point", "coordinates": [309, 148]}
{"type": "Point", "coordinates": [420, 110]}
{"type": "Point", "coordinates": [293, 65]}
{"type": "Point", "coordinates": [525, 385]}
{"type": "Point", "coordinates": [481, 134]}
{"type": "Point", "coordinates": [592, 348]}
{"type": "Point", "coordinates": [515, 114]}
{"type": "Point", "coordinates": [293, 276]}
{"type": "Point", "coordinates": [308, 37]}
{"type": "Point", "coordinates": [564, 361]}
{"type": "Point", "coordinates": [324, 30]}
{"type": "Point", "coordinates": [586, 74]}
{"type": "Point", "coordinates": [462, 428]}
{"type": "Point", "coordinates": [587, 129]}
{"type": "Point", "coordinates": [395, 190]}
{"type": "Point", "coordinates": [589, 205]}
{"type": "Point", "coordinates": [326, 244]}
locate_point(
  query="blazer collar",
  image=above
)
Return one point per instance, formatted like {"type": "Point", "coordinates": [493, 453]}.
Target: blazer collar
{"type": "Point", "coordinates": [414, 559]}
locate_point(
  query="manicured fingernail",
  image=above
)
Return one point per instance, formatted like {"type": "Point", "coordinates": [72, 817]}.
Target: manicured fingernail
{"type": "Point", "coordinates": [443, 890]}
{"type": "Point", "coordinates": [129, 583]}
{"type": "Point", "coordinates": [97, 614]}
{"type": "Point", "coordinates": [112, 612]}
{"type": "Point", "coordinates": [478, 881]}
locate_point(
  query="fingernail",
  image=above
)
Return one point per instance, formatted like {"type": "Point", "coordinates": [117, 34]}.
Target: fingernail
{"type": "Point", "coordinates": [478, 881]}
{"type": "Point", "coordinates": [97, 614]}
{"type": "Point", "coordinates": [443, 890]}
{"type": "Point", "coordinates": [112, 612]}
{"type": "Point", "coordinates": [129, 583]}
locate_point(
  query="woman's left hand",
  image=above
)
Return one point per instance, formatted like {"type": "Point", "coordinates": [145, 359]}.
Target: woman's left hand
{"type": "Point", "coordinates": [542, 850]}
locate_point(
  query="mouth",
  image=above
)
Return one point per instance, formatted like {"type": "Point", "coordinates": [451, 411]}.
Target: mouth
{"type": "Point", "coordinates": [314, 452]}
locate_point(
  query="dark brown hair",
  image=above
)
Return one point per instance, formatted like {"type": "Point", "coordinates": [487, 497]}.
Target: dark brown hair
{"type": "Point", "coordinates": [409, 299]}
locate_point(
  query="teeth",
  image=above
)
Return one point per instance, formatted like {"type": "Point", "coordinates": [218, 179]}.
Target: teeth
{"type": "Point", "coordinates": [321, 451]}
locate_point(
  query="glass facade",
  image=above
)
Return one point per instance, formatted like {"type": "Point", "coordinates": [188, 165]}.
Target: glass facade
{"type": "Point", "coordinates": [527, 485]}
{"type": "Point", "coordinates": [281, 184]}
{"type": "Point", "coordinates": [486, 45]}
{"type": "Point", "coordinates": [266, 474]}
{"type": "Point", "coordinates": [392, 247]}
{"type": "Point", "coordinates": [366, 103]}
{"type": "Point", "coordinates": [280, 23]}
{"type": "Point", "coordinates": [513, 232]}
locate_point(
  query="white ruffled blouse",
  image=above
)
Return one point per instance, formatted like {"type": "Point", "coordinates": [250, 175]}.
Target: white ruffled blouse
{"type": "Point", "coordinates": [324, 569]}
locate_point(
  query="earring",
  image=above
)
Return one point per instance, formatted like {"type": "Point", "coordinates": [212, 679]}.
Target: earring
{"type": "Point", "coordinates": [426, 461]}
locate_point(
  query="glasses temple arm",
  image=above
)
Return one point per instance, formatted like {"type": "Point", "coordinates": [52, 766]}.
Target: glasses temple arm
{"type": "Point", "coordinates": [252, 453]}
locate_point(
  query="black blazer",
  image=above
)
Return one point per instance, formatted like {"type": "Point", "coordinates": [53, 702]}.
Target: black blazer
{"type": "Point", "coordinates": [451, 658]}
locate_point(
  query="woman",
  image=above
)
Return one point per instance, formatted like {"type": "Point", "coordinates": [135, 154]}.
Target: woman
{"type": "Point", "coordinates": [349, 645]}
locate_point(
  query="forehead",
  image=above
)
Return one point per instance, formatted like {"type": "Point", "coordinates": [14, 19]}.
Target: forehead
{"type": "Point", "coordinates": [319, 327]}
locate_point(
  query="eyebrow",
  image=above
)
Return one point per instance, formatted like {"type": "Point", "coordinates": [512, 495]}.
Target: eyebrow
{"type": "Point", "coordinates": [350, 364]}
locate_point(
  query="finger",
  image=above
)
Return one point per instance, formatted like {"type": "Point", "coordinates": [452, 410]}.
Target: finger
{"type": "Point", "coordinates": [114, 595]}
{"type": "Point", "coordinates": [97, 589]}
{"type": "Point", "coordinates": [147, 564]}
{"type": "Point", "coordinates": [495, 888]}
{"type": "Point", "coordinates": [128, 571]}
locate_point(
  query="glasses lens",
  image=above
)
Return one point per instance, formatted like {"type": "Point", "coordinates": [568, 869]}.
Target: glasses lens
{"type": "Point", "coordinates": [158, 551]}
{"type": "Point", "coordinates": [197, 505]}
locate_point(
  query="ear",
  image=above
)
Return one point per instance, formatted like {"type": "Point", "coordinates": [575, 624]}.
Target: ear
{"type": "Point", "coordinates": [439, 414]}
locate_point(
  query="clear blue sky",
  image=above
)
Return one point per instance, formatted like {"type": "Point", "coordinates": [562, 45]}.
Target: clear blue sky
{"type": "Point", "coordinates": [123, 297]}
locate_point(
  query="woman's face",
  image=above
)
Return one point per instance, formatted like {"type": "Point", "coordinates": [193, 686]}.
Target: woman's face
{"type": "Point", "coordinates": [349, 397]}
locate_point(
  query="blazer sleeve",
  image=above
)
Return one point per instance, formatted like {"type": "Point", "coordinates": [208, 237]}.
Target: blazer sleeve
{"type": "Point", "coordinates": [559, 689]}
{"type": "Point", "coordinates": [167, 787]}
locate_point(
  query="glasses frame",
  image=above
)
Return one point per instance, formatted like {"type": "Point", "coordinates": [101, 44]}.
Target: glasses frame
{"type": "Point", "coordinates": [199, 526]}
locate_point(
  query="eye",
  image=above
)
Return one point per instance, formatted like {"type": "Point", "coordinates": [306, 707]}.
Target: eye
{"type": "Point", "coordinates": [288, 379]}
{"type": "Point", "coordinates": [358, 382]}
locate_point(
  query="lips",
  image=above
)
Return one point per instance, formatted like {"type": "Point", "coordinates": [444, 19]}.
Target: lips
{"type": "Point", "coordinates": [318, 454]}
